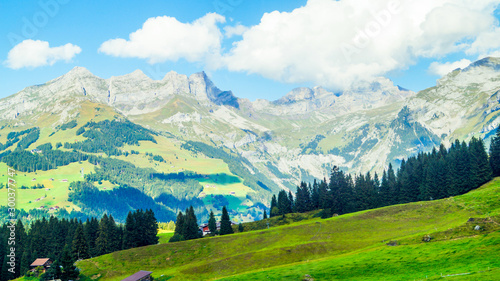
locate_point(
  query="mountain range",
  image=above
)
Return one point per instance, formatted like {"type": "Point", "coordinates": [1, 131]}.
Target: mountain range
{"type": "Point", "coordinates": [245, 150]}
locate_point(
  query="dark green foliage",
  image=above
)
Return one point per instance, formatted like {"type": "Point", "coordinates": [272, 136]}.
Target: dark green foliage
{"type": "Point", "coordinates": [80, 247]}
{"type": "Point", "coordinates": [225, 223]}
{"type": "Point", "coordinates": [284, 205]}
{"type": "Point", "coordinates": [187, 225]}
{"type": "Point", "coordinates": [13, 135]}
{"type": "Point", "coordinates": [212, 224]}
{"type": "Point", "coordinates": [91, 229]}
{"type": "Point", "coordinates": [69, 270]}
{"type": "Point", "coordinates": [274, 206]}
{"type": "Point", "coordinates": [176, 238]}
{"type": "Point", "coordinates": [107, 136]}
{"type": "Point", "coordinates": [45, 146]}
{"type": "Point", "coordinates": [30, 138]}
{"type": "Point", "coordinates": [495, 154]}
{"type": "Point", "coordinates": [58, 144]}
{"type": "Point", "coordinates": [54, 272]}
{"type": "Point", "coordinates": [80, 131]}
{"type": "Point", "coordinates": [303, 198]}
{"type": "Point", "coordinates": [191, 230]}
{"type": "Point", "coordinates": [118, 201]}
{"type": "Point", "coordinates": [26, 161]}
{"type": "Point", "coordinates": [140, 229]}
{"type": "Point", "coordinates": [145, 179]}
{"type": "Point", "coordinates": [265, 215]}
{"type": "Point", "coordinates": [8, 144]}
{"type": "Point", "coordinates": [70, 125]}
{"type": "Point", "coordinates": [427, 176]}
{"type": "Point", "coordinates": [240, 227]}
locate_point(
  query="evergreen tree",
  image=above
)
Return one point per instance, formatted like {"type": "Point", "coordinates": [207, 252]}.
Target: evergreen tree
{"type": "Point", "coordinates": [265, 215]}
{"type": "Point", "coordinates": [69, 271]}
{"type": "Point", "coordinates": [80, 247]}
{"type": "Point", "coordinates": [212, 224]}
{"type": "Point", "coordinates": [91, 228]}
{"type": "Point", "coordinates": [274, 211]}
{"type": "Point", "coordinates": [103, 243]}
{"type": "Point", "coordinates": [179, 224]}
{"type": "Point", "coordinates": [480, 167]}
{"type": "Point", "coordinates": [151, 228]}
{"type": "Point", "coordinates": [495, 154]}
{"type": "Point", "coordinates": [283, 203]}
{"type": "Point", "coordinates": [191, 230]}
{"type": "Point", "coordinates": [114, 235]}
{"type": "Point", "coordinates": [131, 232]}
{"type": "Point", "coordinates": [225, 223]}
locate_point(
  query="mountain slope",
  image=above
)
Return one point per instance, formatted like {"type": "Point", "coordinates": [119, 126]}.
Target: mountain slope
{"type": "Point", "coordinates": [349, 246]}
{"type": "Point", "coordinates": [243, 150]}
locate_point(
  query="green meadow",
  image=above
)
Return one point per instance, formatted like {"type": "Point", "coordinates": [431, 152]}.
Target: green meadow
{"type": "Point", "coordinates": [348, 247]}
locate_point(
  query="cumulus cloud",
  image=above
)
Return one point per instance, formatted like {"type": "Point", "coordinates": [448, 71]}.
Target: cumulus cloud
{"type": "Point", "coordinates": [35, 53]}
{"type": "Point", "coordinates": [441, 69]}
{"type": "Point", "coordinates": [334, 43]}
{"type": "Point", "coordinates": [231, 31]}
{"type": "Point", "coordinates": [166, 39]}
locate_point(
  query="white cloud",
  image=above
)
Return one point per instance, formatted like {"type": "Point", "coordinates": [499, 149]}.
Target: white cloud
{"type": "Point", "coordinates": [165, 38]}
{"type": "Point", "coordinates": [35, 53]}
{"type": "Point", "coordinates": [441, 69]}
{"type": "Point", "coordinates": [231, 31]}
{"type": "Point", "coordinates": [334, 43]}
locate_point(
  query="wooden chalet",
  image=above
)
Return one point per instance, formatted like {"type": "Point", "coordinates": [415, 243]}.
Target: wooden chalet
{"type": "Point", "coordinates": [141, 275]}
{"type": "Point", "coordinates": [44, 262]}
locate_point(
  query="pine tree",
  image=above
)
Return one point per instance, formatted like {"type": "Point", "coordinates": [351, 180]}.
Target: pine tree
{"type": "Point", "coordinates": [114, 235]}
{"type": "Point", "coordinates": [274, 211]}
{"type": "Point", "coordinates": [91, 228]}
{"type": "Point", "coordinates": [283, 203]}
{"type": "Point", "coordinates": [495, 154]}
{"type": "Point", "coordinates": [225, 223]}
{"type": "Point", "coordinates": [480, 167]}
{"type": "Point", "coordinates": [212, 224]}
{"type": "Point", "coordinates": [191, 230]}
{"type": "Point", "coordinates": [131, 232]}
{"type": "Point", "coordinates": [80, 247]}
{"type": "Point", "coordinates": [69, 271]}
{"type": "Point", "coordinates": [151, 228]}
{"type": "Point", "coordinates": [265, 215]}
{"type": "Point", "coordinates": [179, 225]}
{"type": "Point", "coordinates": [103, 245]}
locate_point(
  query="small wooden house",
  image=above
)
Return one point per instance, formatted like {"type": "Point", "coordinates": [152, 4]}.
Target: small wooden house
{"type": "Point", "coordinates": [45, 263]}
{"type": "Point", "coordinates": [139, 276]}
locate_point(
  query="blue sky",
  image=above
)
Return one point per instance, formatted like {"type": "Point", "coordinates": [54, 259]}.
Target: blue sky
{"type": "Point", "coordinates": [257, 49]}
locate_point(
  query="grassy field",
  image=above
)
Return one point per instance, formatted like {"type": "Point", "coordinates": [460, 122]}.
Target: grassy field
{"type": "Point", "coordinates": [352, 246]}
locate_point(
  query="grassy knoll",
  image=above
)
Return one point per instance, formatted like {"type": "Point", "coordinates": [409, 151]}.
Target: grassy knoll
{"type": "Point", "coordinates": [351, 246]}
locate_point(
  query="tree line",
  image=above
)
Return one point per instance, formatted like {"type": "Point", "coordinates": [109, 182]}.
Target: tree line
{"type": "Point", "coordinates": [186, 225]}
{"type": "Point", "coordinates": [66, 241]}
{"type": "Point", "coordinates": [427, 176]}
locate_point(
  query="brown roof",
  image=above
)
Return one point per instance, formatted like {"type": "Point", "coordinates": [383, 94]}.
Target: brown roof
{"type": "Point", "coordinates": [40, 262]}
{"type": "Point", "coordinates": [138, 275]}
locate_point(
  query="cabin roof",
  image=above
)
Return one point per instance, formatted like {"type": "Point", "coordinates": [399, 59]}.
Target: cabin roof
{"type": "Point", "coordinates": [40, 262]}
{"type": "Point", "coordinates": [138, 275]}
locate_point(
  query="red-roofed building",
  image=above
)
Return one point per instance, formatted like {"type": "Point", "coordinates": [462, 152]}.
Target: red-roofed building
{"type": "Point", "coordinates": [139, 276]}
